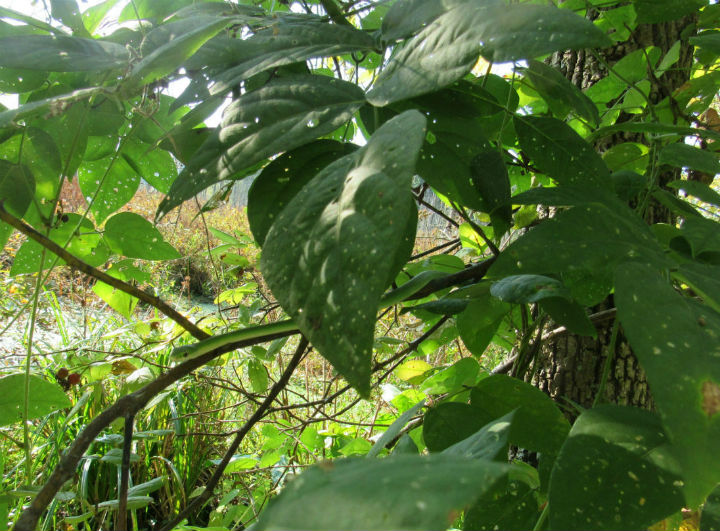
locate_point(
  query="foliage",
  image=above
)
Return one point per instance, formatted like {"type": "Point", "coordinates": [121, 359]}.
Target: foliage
{"type": "Point", "coordinates": [344, 114]}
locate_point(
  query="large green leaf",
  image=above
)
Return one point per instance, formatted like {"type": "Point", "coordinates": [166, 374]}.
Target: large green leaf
{"type": "Point", "coordinates": [680, 360]}
{"type": "Point", "coordinates": [479, 321]}
{"type": "Point", "coordinates": [283, 178]}
{"type": "Point", "coordinates": [490, 178]}
{"type": "Point", "coordinates": [288, 42]}
{"type": "Point", "coordinates": [525, 31]}
{"type": "Point", "coordinates": [280, 116]}
{"type": "Point", "coordinates": [155, 166]}
{"type": "Point", "coordinates": [167, 46]}
{"type": "Point", "coordinates": [538, 424]}
{"type": "Point", "coordinates": [340, 241]}
{"type": "Point", "coordinates": [710, 517]}
{"type": "Point", "coordinates": [131, 235]}
{"type": "Point", "coordinates": [592, 237]}
{"type": "Point", "coordinates": [560, 152]}
{"type": "Point", "coordinates": [684, 156]}
{"type": "Point", "coordinates": [405, 492]}
{"type": "Point", "coordinates": [62, 54]}
{"type": "Point", "coordinates": [697, 189]}
{"type": "Point", "coordinates": [451, 422]}
{"type": "Point", "coordinates": [109, 182]}
{"type": "Point", "coordinates": [17, 189]}
{"type": "Point", "coordinates": [553, 86]}
{"type": "Point", "coordinates": [45, 398]}
{"type": "Point", "coordinates": [615, 471]}
{"type": "Point", "coordinates": [528, 288]}
{"type": "Point", "coordinates": [405, 17]}
{"type": "Point", "coordinates": [448, 45]}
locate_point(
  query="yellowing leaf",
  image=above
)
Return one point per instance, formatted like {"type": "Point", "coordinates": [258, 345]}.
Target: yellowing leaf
{"type": "Point", "coordinates": [412, 371]}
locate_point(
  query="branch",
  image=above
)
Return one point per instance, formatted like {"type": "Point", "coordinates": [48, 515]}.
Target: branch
{"type": "Point", "coordinates": [91, 271]}
{"type": "Point", "coordinates": [126, 405]}
{"type": "Point", "coordinates": [260, 412]}
{"type": "Point", "coordinates": [472, 273]}
{"type": "Point", "coordinates": [125, 473]}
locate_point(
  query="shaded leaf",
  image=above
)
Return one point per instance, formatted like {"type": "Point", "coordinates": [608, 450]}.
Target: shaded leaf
{"type": "Point", "coordinates": [280, 116]}
{"type": "Point", "coordinates": [685, 156]}
{"type": "Point", "coordinates": [560, 152]}
{"type": "Point", "coordinates": [654, 11]}
{"type": "Point", "coordinates": [538, 424]}
{"type": "Point", "coordinates": [684, 342]}
{"type": "Point", "coordinates": [56, 53]}
{"type": "Point", "coordinates": [527, 288]}
{"type": "Point", "coordinates": [553, 86]}
{"type": "Point", "coordinates": [17, 189]}
{"type": "Point", "coordinates": [451, 422]}
{"type": "Point", "coordinates": [352, 217]}
{"type": "Point", "coordinates": [395, 429]}
{"type": "Point", "coordinates": [615, 471]}
{"type": "Point", "coordinates": [697, 189]}
{"type": "Point", "coordinates": [405, 492]}
{"type": "Point", "coordinates": [283, 178]}
{"type": "Point", "coordinates": [490, 442]}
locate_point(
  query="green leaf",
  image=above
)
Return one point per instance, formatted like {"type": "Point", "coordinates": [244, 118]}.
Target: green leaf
{"type": "Point", "coordinates": [615, 471]}
{"type": "Point", "coordinates": [553, 86]}
{"type": "Point", "coordinates": [538, 424]}
{"type": "Point", "coordinates": [280, 116]}
{"type": "Point", "coordinates": [155, 166]}
{"type": "Point", "coordinates": [560, 152]}
{"type": "Point", "coordinates": [405, 17]}
{"type": "Point", "coordinates": [45, 398]}
{"type": "Point", "coordinates": [448, 45]}
{"type": "Point", "coordinates": [131, 235]}
{"type": "Point", "coordinates": [478, 323]}
{"type": "Point", "coordinates": [490, 177]}
{"type": "Point", "coordinates": [594, 237]}
{"type": "Point", "coordinates": [524, 31]}
{"type": "Point", "coordinates": [451, 422]}
{"type": "Point", "coordinates": [62, 54]}
{"type": "Point", "coordinates": [702, 234]}
{"type": "Point", "coordinates": [512, 503]}
{"type": "Point", "coordinates": [685, 156]}
{"type": "Point", "coordinates": [708, 41]}
{"type": "Point", "coordinates": [654, 11]}
{"type": "Point", "coordinates": [286, 42]}
{"type": "Point", "coordinates": [490, 442]}
{"type": "Point", "coordinates": [680, 360]}
{"type": "Point", "coordinates": [520, 289]}
{"type": "Point", "coordinates": [133, 502]}
{"type": "Point", "coordinates": [84, 243]}
{"type": "Point", "coordinates": [341, 240]}
{"type": "Point", "coordinates": [704, 280]}
{"type": "Point", "coordinates": [17, 189]}
{"type": "Point", "coordinates": [110, 183]}
{"type": "Point", "coordinates": [569, 314]}
{"type": "Point", "coordinates": [171, 44]}
{"type": "Point", "coordinates": [451, 379]}
{"type": "Point", "coordinates": [68, 12]}
{"type": "Point", "coordinates": [118, 300]}
{"type": "Point", "coordinates": [258, 376]}
{"type": "Point", "coordinates": [697, 189]}
{"type": "Point", "coordinates": [405, 492]}
{"type": "Point", "coordinates": [441, 53]}
{"type": "Point", "coordinates": [146, 487]}
{"type": "Point", "coordinates": [283, 178]}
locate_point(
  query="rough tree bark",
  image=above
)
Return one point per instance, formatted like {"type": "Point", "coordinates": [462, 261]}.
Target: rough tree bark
{"type": "Point", "coordinates": [568, 367]}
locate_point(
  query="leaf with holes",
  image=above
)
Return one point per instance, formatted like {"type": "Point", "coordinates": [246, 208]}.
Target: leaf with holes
{"type": "Point", "coordinates": [615, 471]}
{"type": "Point", "coordinates": [340, 241]}
{"type": "Point", "coordinates": [680, 360]}
{"type": "Point", "coordinates": [409, 492]}
{"type": "Point", "coordinates": [280, 116]}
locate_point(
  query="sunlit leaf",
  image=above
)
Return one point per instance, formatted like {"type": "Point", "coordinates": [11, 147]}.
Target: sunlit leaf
{"type": "Point", "coordinates": [45, 397]}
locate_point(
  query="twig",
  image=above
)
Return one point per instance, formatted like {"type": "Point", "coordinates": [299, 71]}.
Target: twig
{"type": "Point", "coordinates": [125, 473]}
{"type": "Point", "coordinates": [91, 271]}
{"type": "Point", "coordinates": [260, 412]}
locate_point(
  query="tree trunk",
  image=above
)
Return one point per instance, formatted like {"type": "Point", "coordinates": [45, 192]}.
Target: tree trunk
{"type": "Point", "coordinates": [569, 368]}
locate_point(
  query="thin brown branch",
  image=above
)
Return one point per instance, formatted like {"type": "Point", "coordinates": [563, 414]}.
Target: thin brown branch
{"type": "Point", "coordinates": [95, 273]}
{"type": "Point", "coordinates": [260, 412]}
